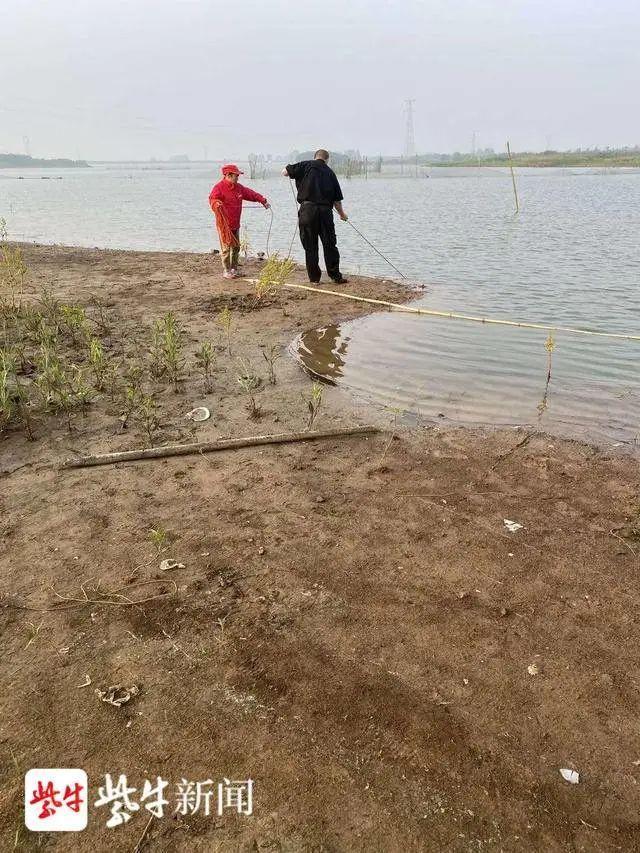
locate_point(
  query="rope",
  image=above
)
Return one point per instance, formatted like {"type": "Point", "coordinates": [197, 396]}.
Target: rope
{"type": "Point", "coordinates": [450, 315]}
{"type": "Point", "coordinates": [293, 236]}
{"type": "Point", "coordinates": [269, 231]}
{"type": "Point", "coordinates": [349, 222]}
{"type": "Point", "coordinates": [227, 237]}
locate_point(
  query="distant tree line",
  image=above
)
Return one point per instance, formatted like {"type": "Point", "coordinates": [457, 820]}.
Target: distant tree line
{"type": "Point", "coordinates": [23, 161]}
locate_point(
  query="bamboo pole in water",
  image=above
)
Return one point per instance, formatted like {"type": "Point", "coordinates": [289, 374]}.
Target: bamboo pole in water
{"type": "Point", "coordinates": [451, 315]}
{"type": "Point", "coordinates": [513, 178]}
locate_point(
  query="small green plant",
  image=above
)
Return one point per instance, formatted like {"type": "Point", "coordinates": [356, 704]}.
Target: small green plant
{"type": "Point", "coordinates": [81, 391]}
{"type": "Point", "coordinates": [7, 399]}
{"type": "Point", "coordinates": [273, 275]}
{"type": "Point", "coordinates": [75, 320]}
{"type": "Point", "coordinates": [543, 405]}
{"type": "Point", "coordinates": [271, 355]}
{"type": "Point", "coordinates": [314, 401]}
{"type": "Point", "coordinates": [205, 359]}
{"type": "Point", "coordinates": [225, 321]}
{"type": "Point", "coordinates": [101, 320]}
{"type": "Point", "coordinates": [50, 373]}
{"type": "Point", "coordinates": [13, 272]}
{"type": "Point", "coordinates": [130, 392]}
{"type": "Point", "coordinates": [250, 382]}
{"type": "Point", "coordinates": [50, 310]}
{"type": "Point", "coordinates": [172, 348]}
{"type": "Point", "coordinates": [98, 362]}
{"type": "Point", "coordinates": [159, 538]}
{"type": "Point", "coordinates": [14, 398]}
{"type": "Point", "coordinates": [148, 411]}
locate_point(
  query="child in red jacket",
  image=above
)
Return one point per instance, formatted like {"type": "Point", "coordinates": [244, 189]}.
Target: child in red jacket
{"type": "Point", "coordinates": [226, 202]}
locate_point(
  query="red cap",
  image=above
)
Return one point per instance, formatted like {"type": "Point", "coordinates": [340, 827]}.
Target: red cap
{"type": "Point", "coordinates": [231, 169]}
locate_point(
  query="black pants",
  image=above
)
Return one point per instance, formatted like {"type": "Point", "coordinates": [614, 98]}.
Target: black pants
{"type": "Point", "coordinates": [315, 221]}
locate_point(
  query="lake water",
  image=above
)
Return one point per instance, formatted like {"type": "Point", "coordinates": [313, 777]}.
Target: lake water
{"type": "Point", "coordinates": [571, 257]}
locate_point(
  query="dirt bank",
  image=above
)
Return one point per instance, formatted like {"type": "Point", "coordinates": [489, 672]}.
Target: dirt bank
{"type": "Point", "coordinates": [354, 627]}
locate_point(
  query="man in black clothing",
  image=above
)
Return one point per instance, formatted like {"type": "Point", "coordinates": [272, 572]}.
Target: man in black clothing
{"type": "Point", "coordinates": [318, 193]}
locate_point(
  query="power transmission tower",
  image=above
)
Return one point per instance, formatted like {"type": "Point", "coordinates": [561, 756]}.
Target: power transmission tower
{"type": "Point", "coordinates": [409, 135]}
{"type": "Point", "coordinates": [27, 146]}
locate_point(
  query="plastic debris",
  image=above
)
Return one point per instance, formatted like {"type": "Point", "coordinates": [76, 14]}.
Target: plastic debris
{"type": "Point", "coordinates": [201, 413]}
{"type": "Point", "coordinates": [570, 776]}
{"type": "Point", "coordinates": [512, 526]}
{"type": "Point", "coordinates": [117, 695]}
{"type": "Point", "coordinates": [167, 565]}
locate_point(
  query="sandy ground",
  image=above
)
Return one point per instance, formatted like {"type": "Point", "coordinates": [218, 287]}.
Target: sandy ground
{"type": "Point", "coordinates": [355, 628]}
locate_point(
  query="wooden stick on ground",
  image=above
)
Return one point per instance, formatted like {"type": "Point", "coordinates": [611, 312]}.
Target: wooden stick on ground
{"type": "Point", "coordinates": [211, 446]}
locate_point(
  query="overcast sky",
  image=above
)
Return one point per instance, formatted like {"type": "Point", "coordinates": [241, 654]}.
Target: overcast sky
{"type": "Point", "coordinates": [117, 79]}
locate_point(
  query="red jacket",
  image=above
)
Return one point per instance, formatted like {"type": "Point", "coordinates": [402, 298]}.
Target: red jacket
{"type": "Point", "coordinates": [231, 196]}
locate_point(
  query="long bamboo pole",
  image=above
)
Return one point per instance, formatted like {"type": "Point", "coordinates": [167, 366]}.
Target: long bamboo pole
{"type": "Point", "coordinates": [450, 315]}
{"type": "Point", "coordinates": [211, 446]}
{"type": "Point", "coordinates": [513, 178]}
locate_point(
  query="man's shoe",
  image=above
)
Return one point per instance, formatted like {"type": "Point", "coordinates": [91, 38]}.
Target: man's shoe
{"type": "Point", "coordinates": [341, 280]}
{"type": "Point", "coordinates": [314, 281]}
{"type": "Point", "coordinates": [228, 274]}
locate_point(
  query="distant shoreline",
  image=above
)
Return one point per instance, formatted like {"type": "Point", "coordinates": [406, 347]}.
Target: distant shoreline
{"type": "Point", "coordinates": [523, 161]}
{"type": "Point", "coordinates": [23, 161]}
{"type": "Point", "coordinates": [551, 163]}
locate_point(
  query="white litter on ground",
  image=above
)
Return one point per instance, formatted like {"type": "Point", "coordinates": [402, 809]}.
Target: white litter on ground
{"type": "Point", "coordinates": [571, 776]}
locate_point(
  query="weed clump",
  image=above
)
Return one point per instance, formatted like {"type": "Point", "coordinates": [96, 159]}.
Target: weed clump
{"type": "Point", "coordinates": [250, 382]}
{"type": "Point", "coordinates": [273, 275]}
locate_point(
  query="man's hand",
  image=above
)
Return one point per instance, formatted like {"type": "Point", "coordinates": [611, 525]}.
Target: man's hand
{"type": "Point", "coordinates": [338, 209]}
{"type": "Point", "coordinates": [266, 204]}
{"type": "Point", "coordinates": [285, 174]}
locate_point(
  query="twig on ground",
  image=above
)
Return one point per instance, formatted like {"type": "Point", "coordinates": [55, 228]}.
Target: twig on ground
{"type": "Point", "coordinates": [138, 846]}
{"type": "Point", "coordinates": [520, 444]}
{"type": "Point", "coordinates": [624, 542]}
{"type": "Point", "coordinates": [175, 645]}
{"type": "Point", "coordinates": [123, 600]}
{"type": "Point", "coordinates": [35, 630]}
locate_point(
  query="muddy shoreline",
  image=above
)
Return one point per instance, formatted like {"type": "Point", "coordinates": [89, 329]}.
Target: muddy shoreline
{"type": "Point", "coordinates": [354, 627]}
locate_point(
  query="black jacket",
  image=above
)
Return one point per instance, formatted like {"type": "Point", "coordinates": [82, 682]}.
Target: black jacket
{"type": "Point", "coordinates": [315, 182]}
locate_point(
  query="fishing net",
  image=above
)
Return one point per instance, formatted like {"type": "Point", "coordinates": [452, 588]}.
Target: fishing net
{"type": "Point", "coordinates": [227, 237]}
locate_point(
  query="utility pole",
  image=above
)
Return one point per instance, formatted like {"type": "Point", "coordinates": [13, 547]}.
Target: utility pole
{"type": "Point", "coordinates": [27, 146]}
{"type": "Point", "coordinates": [474, 147]}
{"type": "Point", "coordinates": [409, 135]}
